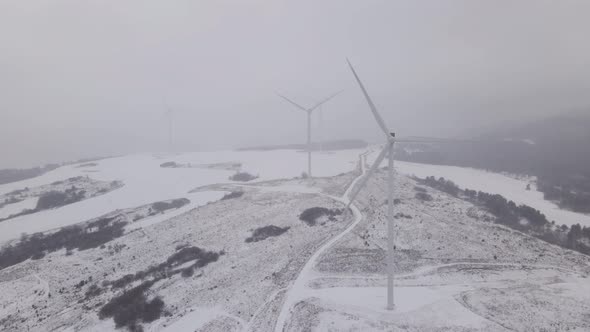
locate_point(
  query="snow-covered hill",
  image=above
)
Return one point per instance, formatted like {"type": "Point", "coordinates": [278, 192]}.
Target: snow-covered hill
{"type": "Point", "coordinates": [250, 262]}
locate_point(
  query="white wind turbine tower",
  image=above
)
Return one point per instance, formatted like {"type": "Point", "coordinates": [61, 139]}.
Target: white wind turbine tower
{"type": "Point", "coordinates": [387, 150]}
{"type": "Point", "coordinates": [309, 111]}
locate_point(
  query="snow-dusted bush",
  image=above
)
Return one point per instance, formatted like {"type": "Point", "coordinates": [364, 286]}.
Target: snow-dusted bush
{"type": "Point", "coordinates": [167, 205]}
{"type": "Point", "coordinates": [311, 215]}
{"type": "Point", "coordinates": [423, 196]}
{"type": "Point", "coordinates": [51, 200]}
{"type": "Point", "coordinates": [243, 177]}
{"type": "Point", "coordinates": [37, 245]}
{"type": "Point", "coordinates": [265, 232]}
{"type": "Point", "coordinates": [131, 307]}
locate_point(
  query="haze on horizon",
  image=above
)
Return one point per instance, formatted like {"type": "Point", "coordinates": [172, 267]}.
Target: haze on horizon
{"type": "Point", "coordinates": [90, 78]}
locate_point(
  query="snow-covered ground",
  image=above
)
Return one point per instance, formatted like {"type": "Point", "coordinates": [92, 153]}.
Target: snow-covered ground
{"type": "Point", "coordinates": [454, 270]}
{"type": "Point", "coordinates": [511, 187]}
{"type": "Point", "coordinates": [146, 182]}
{"type": "Point", "coordinates": [15, 208]}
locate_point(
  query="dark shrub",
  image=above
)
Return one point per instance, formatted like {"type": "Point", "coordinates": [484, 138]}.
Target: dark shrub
{"type": "Point", "coordinates": [153, 310]}
{"type": "Point", "coordinates": [423, 196]}
{"type": "Point", "coordinates": [132, 306]}
{"type": "Point", "coordinates": [169, 164]}
{"type": "Point", "coordinates": [38, 255]}
{"type": "Point", "coordinates": [167, 205]}
{"type": "Point", "coordinates": [70, 237]}
{"type": "Point", "coordinates": [262, 233]}
{"type": "Point", "coordinates": [420, 189]}
{"type": "Point", "coordinates": [233, 194]}
{"type": "Point", "coordinates": [51, 200]}
{"type": "Point", "coordinates": [242, 177]}
{"type": "Point", "coordinates": [93, 291]}
{"type": "Point", "coordinates": [166, 269]}
{"type": "Point", "coordinates": [311, 215]}
{"type": "Point", "coordinates": [123, 281]}
{"type": "Point", "coordinates": [188, 272]}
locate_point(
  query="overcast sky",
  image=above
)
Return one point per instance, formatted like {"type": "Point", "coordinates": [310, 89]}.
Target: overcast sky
{"type": "Point", "coordinates": [81, 78]}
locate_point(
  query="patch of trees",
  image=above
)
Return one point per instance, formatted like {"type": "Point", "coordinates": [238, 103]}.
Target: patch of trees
{"type": "Point", "coordinates": [79, 237]}
{"type": "Point", "coordinates": [165, 269]}
{"type": "Point", "coordinates": [570, 192]}
{"type": "Point", "coordinates": [443, 185]}
{"type": "Point", "coordinates": [233, 194]}
{"type": "Point", "coordinates": [423, 196]}
{"type": "Point", "coordinates": [265, 232]}
{"type": "Point", "coordinates": [560, 157]}
{"type": "Point", "coordinates": [54, 199]}
{"type": "Point", "coordinates": [243, 177]}
{"type": "Point", "coordinates": [520, 217]}
{"type": "Point", "coordinates": [167, 205]}
{"type": "Point", "coordinates": [310, 216]}
{"type": "Point", "coordinates": [132, 307]}
{"type": "Point", "coordinates": [14, 175]}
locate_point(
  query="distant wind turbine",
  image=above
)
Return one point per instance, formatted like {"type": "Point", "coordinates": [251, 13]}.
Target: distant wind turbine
{"type": "Point", "coordinates": [309, 111]}
{"type": "Point", "coordinates": [169, 115]}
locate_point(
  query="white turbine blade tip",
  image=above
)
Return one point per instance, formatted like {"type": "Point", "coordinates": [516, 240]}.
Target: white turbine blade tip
{"type": "Point", "coordinates": [372, 106]}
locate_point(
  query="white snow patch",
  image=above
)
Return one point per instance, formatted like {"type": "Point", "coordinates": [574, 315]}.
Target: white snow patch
{"type": "Point", "coordinates": [15, 208]}
{"type": "Point", "coordinates": [373, 300]}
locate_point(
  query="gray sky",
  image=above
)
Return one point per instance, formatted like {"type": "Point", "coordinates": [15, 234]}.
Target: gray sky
{"type": "Point", "coordinates": [94, 77]}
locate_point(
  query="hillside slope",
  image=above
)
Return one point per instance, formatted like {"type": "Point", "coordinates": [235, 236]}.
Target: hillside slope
{"type": "Point", "coordinates": [228, 265]}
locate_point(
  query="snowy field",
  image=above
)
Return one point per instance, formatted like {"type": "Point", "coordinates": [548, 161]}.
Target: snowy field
{"type": "Point", "coordinates": [512, 188]}
{"type": "Point", "coordinates": [454, 270]}
{"type": "Point", "coordinates": [146, 182]}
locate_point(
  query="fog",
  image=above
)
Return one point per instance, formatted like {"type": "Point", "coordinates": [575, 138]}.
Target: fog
{"type": "Point", "coordinates": [89, 78]}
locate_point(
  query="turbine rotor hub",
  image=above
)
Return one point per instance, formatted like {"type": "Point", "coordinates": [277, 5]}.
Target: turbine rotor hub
{"type": "Point", "coordinates": [391, 137]}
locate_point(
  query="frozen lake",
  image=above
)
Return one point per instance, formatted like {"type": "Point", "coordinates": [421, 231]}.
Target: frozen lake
{"type": "Point", "coordinates": [146, 182]}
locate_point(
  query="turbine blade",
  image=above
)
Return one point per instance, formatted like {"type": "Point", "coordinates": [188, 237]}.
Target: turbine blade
{"type": "Point", "coordinates": [292, 102]}
{"type": "Point", "coordinates": [423, 139]}
{"type": "Point", "coordinates": [370, 102]}
{"type": "Point", "coordinates": [325, 100]}
{"type": "Point", "coordinates": [369, 173]}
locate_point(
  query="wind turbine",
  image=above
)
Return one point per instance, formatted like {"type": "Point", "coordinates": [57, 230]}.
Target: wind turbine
{"type": "Point", "coordinates": [169, 114]}
{"type": "Point", "coordinates": [387, 150]}
{"type": "Point", "coordinates": [309, 111]}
